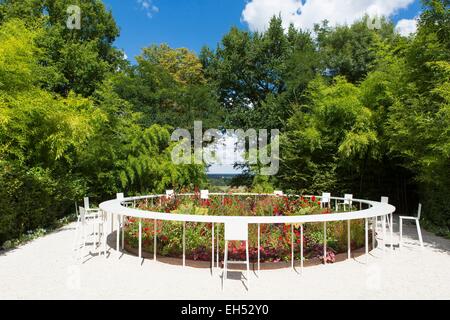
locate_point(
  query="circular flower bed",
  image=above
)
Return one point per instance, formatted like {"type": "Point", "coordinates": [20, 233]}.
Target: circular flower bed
{"type": "Point", "coordinates": [275, 239]}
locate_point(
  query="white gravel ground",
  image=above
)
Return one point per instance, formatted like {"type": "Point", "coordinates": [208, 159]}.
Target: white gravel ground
{"type": "Point", "coordinates": [45, 269]}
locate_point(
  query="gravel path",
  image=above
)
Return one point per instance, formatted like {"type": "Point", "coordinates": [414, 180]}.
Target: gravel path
{"type": "Point", "coordinates": [45, 269]}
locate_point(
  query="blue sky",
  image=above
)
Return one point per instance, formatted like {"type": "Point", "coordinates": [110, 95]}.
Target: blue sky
{"type": "Point", "coordinates": [190, 24]}
{"type": "Point", "coordinates": [194, 23]}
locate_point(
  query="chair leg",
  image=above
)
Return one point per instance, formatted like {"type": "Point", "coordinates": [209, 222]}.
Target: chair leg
{"type": "Point", "coordinates": [366, 238]}
{"type": "Point", "coordinates": [225, 263]}
{"type": "Point", "coordinates": [98, 242]}
{"type": "Point", "coordinates": [383, 223]}
{"type": "Point", "coordinates": [123, 232]}
{"type": "Point", "coordinates": [99, 234]}
{"type": "Point", "coordinates": [212, 249]}
{"type": "Point", "coordinates": [419, 232]}
{"type": "Point", "coordinates": [83, 242]}
{"type": "Point", "coordinates": [373, 232]}
{"type": "Point", "coordinates": [248, 265]}
{"type": "Point", "coordinates": [76, 238]}
{"type": "Point", "coordinates": [104, 239]}
{"type": "Point", "coordinates": [391, 231]}
{"type": "Point", "coordinates": [401, 232]}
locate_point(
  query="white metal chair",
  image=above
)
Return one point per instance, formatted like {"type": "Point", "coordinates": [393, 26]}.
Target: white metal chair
{"type": "Point", "coordinates": [416, 220]}
{"type": "Point", "coordinates": [94, 220]}
{"type": "Point", "coordinates": [236, 231]}
{"type": "Point", "coordinates": [121, 196]}
{"type": "Point", "coordinates": [387, 217]}
{"type": "Point", "coordinates": [170, 193]}
{"type": "Point", "coordinates": [90, 213]}
{"type": "Point", "coordinates": [87, 208]}
{"type": "Point", "coordinates": [278, 193]}
{"type": "Point", "coordinates": [325, 199]}
{"type": "Point", "coordinates": [204, 194]}
{"type": "Point", "coordinates": [347, 201]}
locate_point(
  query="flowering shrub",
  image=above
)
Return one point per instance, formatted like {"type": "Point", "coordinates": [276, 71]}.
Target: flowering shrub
{"type": "Point", "coordinates": [275, 238]}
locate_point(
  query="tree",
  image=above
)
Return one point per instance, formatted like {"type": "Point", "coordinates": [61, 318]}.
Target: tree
{"type": "Point", "coordinates": [326, 139]}
{"type": "Point", "coordinates": [167, 86]}
{"type": "Point", "coordinates": [77, 60]}
{"type": "Point", "coordinates": [419, 119]}
{"type": "Point", "coordinates": [349, 50]}
{"type": "Point", "coordinates": [40, 133]}
{"type": "Point", "coordinates": [247, 68]}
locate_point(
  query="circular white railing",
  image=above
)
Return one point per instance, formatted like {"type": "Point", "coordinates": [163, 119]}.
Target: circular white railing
{"type": "Point", "coordinates": [120, 209]}
{"type": "Point", "coordinates": [375, 209]}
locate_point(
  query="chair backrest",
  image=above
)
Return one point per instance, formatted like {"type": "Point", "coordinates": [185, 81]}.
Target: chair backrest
{"type": "Point", "coordinates": [348, 198]}
{"type": "Point", "coordinates": [384, 199]}
{"type": "Point", "coordinates": [86, 202]}
{"type": "Point", "coordinates": [170, 193]}
{"type": "Point", "coordinates": [419, 211]}
{"type": "Point", "coordinates": [236, 230]}
{"type": "Point", "coordinates": [278, 192]}
{"type": "Point", "coordinates": [120, 196]}
{"type": "Point", "coordinates": [82, 214]}
{"type": "Point", "coordinates": [204, 194]}
{"type": "Point", "coordinates": [326, 196]}
{"type": "Point", "coordinates": [76, 209]}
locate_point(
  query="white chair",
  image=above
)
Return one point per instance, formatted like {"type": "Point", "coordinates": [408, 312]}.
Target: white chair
{"type": "Point", "coordinates": [90, 213]}
{"type": "Point", "coordinates": [121, 196]}
{"type": "Point", "coordinates": [86, 221]}
{"type": "Point", "coordinates": [347, 201]}
{"type": "Point", "coordinates": [386, 200]}
{"type": "Point", "coordinates": [416, 220]}
{"type": "Point", "coordinates": [278, 193]}
{"type": "Point", "coordinates": [236, 231]}
{"type": "Point", "coordinates": [170, 193]}
{"type": "Point", "coordinates": [87, 208]}
{"type": "Point", "coordinates": [325, 199]}
{"type": "Point", "coordinates": [204, 194]}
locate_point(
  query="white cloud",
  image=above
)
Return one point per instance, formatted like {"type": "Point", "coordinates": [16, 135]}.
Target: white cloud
{"type": "Point", "coordinates": [406, 26]}
{"type": "Point", "coordinates": [305, 13]}
{"type": "Point", "coordinates": [148, 7]}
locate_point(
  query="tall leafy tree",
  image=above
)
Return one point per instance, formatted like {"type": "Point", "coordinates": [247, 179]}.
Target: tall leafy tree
{"type": "Point", "coordinates": [168, 87]}
{"type": "Point", "coordinates": [40, 133]}
{"type": "Point", "coordinates": [348, 50]}
{"type": "Point", "coordinates": [247, 68]}
{"type": "Point", "coordinates": [77, 59]}
{"type": "Point", "coordinates": [327, 138]}
{"type": "Point", "coordinates": [419, 119]}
